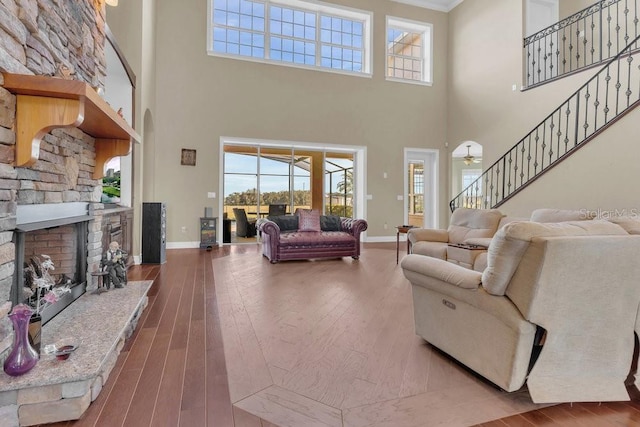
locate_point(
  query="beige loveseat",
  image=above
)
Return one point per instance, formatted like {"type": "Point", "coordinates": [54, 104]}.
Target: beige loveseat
{"type": "Point", "coordinates": [573, 285]}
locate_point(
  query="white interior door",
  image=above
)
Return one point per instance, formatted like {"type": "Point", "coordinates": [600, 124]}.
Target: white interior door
{"type": "Point", "coordinates": [421, 187]}
{"type": "Point", "coordinates": [541, 14]}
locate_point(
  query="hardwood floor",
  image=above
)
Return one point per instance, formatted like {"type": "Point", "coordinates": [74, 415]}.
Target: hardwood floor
{"type": "Point", "coordinates": [173, 371]}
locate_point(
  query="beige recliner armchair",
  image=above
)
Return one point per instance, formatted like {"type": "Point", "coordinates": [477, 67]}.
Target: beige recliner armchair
{"type": "Point", "coordinates": [465, 224]}
{"type": "Point", "coordinates": [575, 284]}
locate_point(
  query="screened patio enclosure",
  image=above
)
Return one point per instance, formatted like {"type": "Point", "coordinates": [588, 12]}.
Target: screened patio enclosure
{"type": "Point", "coordinates": [255, 177]}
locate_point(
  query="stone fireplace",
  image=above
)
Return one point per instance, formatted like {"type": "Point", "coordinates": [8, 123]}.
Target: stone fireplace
{"type": "Point", "coordinates": [52, 152]}
{"type": "Point", "coordinates": [56, 132]}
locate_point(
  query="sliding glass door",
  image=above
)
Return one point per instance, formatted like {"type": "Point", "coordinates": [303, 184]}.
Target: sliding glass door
{"type": "Point", "coordinates": [301, 181]}
{"type": "Point", "coordinates": [338, 172]}
{"type": "Point", "coordinates": [275, 178]}
{"type": "Point", "coordinates": [241, 180]}
{"type": "Point", "coordinates": [257, 177]}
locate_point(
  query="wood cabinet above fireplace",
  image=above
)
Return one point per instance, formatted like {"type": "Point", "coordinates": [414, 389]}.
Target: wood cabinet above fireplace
{"type": "Point", "coordinates": [45, 103]}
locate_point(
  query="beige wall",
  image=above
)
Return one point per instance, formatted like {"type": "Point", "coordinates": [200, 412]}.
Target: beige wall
{"type": "Point", "coordinates": [569, 7]}
{"type": "Point", "coordinates": [201, 98]}
{"type": "Point", "coordinates": [133, 26]}
{"type": "Point", "coordinates": [483, 108]}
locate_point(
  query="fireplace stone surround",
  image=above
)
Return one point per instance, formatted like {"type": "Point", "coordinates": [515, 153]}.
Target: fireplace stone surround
{"type": "Point", "coordinates": [63, 38]}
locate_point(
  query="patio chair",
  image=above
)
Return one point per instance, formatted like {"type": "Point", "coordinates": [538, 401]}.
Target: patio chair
{"type": "Point", "coordinates": [277, 209]}
{"type": "Point", "coordinates": [244, 226]}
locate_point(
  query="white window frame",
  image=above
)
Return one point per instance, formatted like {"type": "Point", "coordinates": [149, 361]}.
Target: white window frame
{"type": "Point", "coordinates": [426, 30]}
{"type": "Point", "coordinates": [311, 6]}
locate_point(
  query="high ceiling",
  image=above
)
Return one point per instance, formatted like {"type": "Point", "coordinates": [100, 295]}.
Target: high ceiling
{"type": "Point", "coordinates": [441, 5]}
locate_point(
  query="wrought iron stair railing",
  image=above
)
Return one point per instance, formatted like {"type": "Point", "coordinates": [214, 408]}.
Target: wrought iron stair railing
{"type": "Point", "coordinates": [600, 102]}
{"type": "Point", "coordinates": [584, 39]}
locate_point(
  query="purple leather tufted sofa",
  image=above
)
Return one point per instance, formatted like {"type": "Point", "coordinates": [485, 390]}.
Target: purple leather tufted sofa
{"type": "Point", "coordinates": [291, 245]}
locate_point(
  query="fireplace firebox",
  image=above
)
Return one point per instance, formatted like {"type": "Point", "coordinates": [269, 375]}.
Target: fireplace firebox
{"type": "Point", "coordinates": [59, 231]}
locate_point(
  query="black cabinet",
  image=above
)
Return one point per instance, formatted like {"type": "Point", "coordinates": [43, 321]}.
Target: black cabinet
{"type": "Point", "coordinates": [226, 230]}
{"type": "Point", "coordinates": [154, 233]}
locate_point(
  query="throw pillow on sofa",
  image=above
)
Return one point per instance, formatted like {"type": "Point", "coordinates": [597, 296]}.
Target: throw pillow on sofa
{"type": "Point", "coordinates": [330, 223]}
{"type": "Point", "coordinates": [308, 220]}
{"type": "Point", "coordinates": [285, 222]}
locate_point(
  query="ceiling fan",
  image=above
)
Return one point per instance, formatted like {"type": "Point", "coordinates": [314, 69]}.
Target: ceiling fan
{"type": "Point", "coordinates": [468, 159]}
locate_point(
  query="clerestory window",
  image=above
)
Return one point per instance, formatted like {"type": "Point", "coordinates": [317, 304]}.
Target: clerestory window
{"type": "Point", "coordinates": [292, 32]}
{"type": "Point", "coordinates": [409, 51]}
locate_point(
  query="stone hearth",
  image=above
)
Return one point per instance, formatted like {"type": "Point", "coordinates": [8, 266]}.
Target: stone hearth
{"type": "Point", "coordinates": [62, 390]}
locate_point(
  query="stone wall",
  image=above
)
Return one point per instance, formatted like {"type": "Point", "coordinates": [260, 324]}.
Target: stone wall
{"type": "Point", "coordinates": [40, 36]}
{"type": "Point", "coordinates": [61, 38]}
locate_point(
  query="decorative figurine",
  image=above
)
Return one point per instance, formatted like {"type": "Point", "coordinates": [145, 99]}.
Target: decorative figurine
{"type": "Point", "coordinates": [114, 263]}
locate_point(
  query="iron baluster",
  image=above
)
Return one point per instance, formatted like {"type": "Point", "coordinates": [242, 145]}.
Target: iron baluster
{"type": "Point", "coordinates": [628, 91]}
{"type": "Point", "coordinates": [559, 134]}
{"type": "Point", "coordinates": [596, 104]}
{"type": "Point", "coordinates": [586, 112]}
{"type": "Point", "coordinates": [510, 169]}
{"type": "Point", "coordinates": [544, 144]}
{"type": "Point", "coordinates": [584, 44]}
{"type": "Point", "coordinates": [601, 34]}
{"type": "Point", "coordinates": [577, 113]}
{"type": "Point", "coordinates": [486, 186]}
{"type": "Point", "coordinates": [626, 22]}
{"type": "Point", "coordinates": [516, 168]}
{"type": "Point", "coordinates": [564, 51]}
{"type": "Point", "coordinates": [522, 164]}
{"type": "Point", "coordinates": [551, 127]}
{"type": "Point", "coordinates": [535, 157]}
{"type": "Point", "coordinates": [499, 182]}
{"type": "Point", "coordinates": [566, 130]}
{"type": "Point", "coordinates": [608, 32]}
{"type": "Point", "coordinates": [529, 160]}
{"type": "Point", "coordinates": [538, 62]}
{"type": "Point", "coordinates": [606, 97]}
{"type": "Point", "coordinates": [592, 50]}
{"type": "Point", "coordinates": [618, 85]}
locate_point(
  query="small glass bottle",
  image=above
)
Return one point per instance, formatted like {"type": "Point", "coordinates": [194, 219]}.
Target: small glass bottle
{"type": "Point", "coordinates": [22, 357]}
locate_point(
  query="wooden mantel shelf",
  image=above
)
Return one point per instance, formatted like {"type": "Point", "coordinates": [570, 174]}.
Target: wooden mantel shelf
{"type": "Point", "coordinates": [45, 103]}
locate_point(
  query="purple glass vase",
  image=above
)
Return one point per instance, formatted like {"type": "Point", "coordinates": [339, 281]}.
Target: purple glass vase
{"type": "Point", "coordinates": [22, 357]}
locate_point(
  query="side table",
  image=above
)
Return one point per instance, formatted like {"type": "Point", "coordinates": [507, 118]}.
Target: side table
{"type": "Point", "coordinates": [402, 229]}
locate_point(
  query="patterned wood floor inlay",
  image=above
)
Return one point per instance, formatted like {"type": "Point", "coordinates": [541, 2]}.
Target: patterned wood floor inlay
{"type": "Point", "coordinates": [332, 343]}
{"type": "Point", "coordinates": [305, 344]}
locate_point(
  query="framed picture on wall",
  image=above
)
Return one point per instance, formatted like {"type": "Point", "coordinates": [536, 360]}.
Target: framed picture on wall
{"type": "Point", "coordinates": [188, 157]}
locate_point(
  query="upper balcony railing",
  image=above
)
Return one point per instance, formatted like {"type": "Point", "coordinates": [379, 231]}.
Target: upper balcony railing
{"type": "Point", "coordinates": [601, 101]}
{"type": "Point", "coordinates": [584, 39]}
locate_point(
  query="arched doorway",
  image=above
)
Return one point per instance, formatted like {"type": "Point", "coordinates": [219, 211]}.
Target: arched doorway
{"type": "Point", "coordinates": [466, 167]}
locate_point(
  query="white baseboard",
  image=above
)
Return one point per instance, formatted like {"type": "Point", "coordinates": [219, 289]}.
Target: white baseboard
{"type": "Point", "coordinates": [183, 245]}
{"type": "Point", "coordinates": [383, 239]}
{"type": "Point", "coordinates": [368, 239]}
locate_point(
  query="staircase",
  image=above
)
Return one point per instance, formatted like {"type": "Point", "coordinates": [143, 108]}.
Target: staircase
{"type": "Point", "coordinates": [605, 98]}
